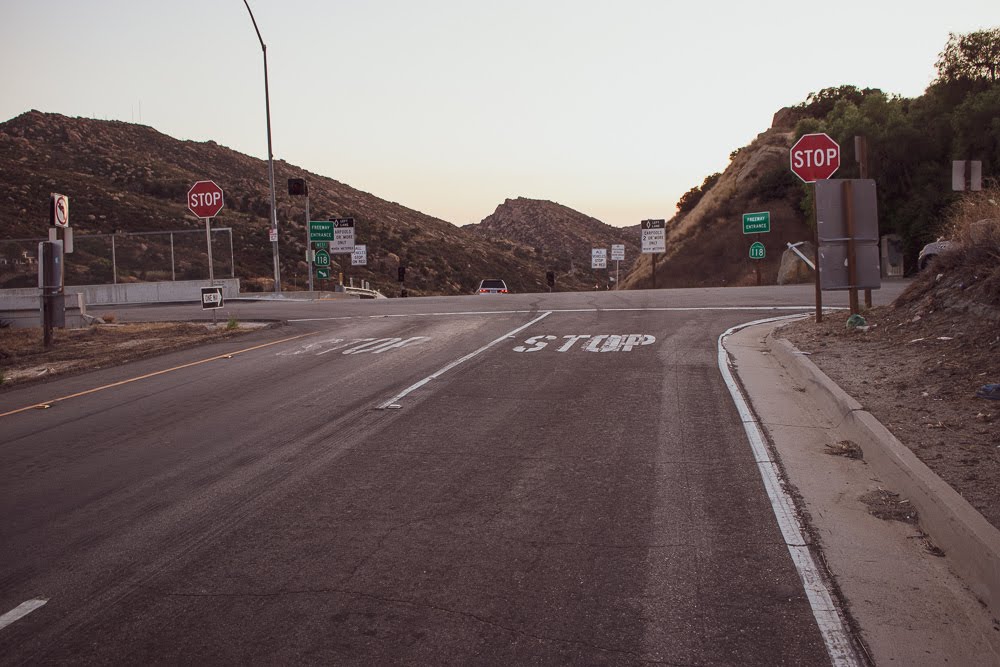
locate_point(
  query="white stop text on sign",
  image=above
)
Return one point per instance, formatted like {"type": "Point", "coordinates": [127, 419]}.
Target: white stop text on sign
{"type": "Point", "coordinates": [199, 199]}
{"type": "Point", "coordinates": [818, 157]}
{"type": "Point", "coordinates": [587, 343]}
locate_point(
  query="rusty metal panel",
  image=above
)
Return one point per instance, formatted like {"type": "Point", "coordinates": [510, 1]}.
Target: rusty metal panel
{"type": "Point", "coordinates": [831, 223]}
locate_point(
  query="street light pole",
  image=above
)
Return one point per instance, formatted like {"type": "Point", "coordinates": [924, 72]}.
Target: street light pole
{"type": "Point", "coordinates": [270, 158]}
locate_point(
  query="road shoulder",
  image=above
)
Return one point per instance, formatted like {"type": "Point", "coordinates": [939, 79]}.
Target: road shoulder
{"type": "Point", "coordinates": [905, 600]}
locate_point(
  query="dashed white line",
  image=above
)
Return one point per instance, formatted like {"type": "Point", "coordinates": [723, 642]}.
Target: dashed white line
{"type": "Point", "coordinates": [395, 399]}
{"type": "Point", "coordinates": [20, 611]}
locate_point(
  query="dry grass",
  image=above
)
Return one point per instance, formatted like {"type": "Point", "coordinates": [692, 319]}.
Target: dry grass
{"type": "Point", "coordinates": [974, 226]}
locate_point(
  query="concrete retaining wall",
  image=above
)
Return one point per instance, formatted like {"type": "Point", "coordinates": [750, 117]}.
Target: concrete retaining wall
{"type": "Point", "coordinates": [22, 306]}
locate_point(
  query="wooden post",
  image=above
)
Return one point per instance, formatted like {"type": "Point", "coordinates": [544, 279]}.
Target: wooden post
{"type": "Point", "coordinates": [819, 291]}
{"type": "Point", "coordinates": [861, 155]}
{"type": "Point", "coordinates": [847, 194]}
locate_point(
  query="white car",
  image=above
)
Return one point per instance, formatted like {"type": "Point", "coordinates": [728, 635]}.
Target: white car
{"type": "Point", "coordinates": [492, 286]}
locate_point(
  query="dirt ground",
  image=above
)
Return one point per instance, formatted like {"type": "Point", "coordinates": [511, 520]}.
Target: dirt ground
{"type": "Point", "coordinates": [917, 369]}
{"type": "Point", "coordinates": [23, 358]}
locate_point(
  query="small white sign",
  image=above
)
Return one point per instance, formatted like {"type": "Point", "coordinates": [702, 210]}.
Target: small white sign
{"type": "Point", "coordinates": [360, 256]}
{"type": "Point", "coordinates": [654, 236]}
{"type": "Point", "coordinates": [599, 258]}
{"type": "Point", "coordinates": [343, 235]}
{"type": "Point", "coordinates": [272, 235]}
{"type": "Point", "coordinates": [618, 252]}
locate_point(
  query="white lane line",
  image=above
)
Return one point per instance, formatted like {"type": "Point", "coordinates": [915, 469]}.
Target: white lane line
{"type": "Point", "coordinates": [20, 611]}
{"type": "Point", "coordinates": [832, 627]}
{"type": "Point", "coordinates": [395, 399]}
{"type": "Point", "coordinates": [664, 309]}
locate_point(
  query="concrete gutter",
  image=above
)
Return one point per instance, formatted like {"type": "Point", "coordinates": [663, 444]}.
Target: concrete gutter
{"type": "Point", "coordinates": [971, 542]}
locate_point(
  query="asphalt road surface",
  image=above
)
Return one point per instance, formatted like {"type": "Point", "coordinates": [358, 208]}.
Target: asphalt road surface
{"type": "Point", "coordinates": [545, 479]}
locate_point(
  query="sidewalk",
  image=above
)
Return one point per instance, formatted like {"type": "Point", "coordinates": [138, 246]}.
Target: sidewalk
{"type": "Point", "coordinates": [908, 604]}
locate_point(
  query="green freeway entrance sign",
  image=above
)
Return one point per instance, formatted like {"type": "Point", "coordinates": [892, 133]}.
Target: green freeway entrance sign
{"type": "Point", "coordinates": [756, 223]}
{"type": "Point", "coordinates": [322, 258]}
{"type": "Point", "coordinates": [323, 274]}
{"type": "Point", "coordinates": [320, 230]}
{"type": "Point", "coordinates": [757, 251]}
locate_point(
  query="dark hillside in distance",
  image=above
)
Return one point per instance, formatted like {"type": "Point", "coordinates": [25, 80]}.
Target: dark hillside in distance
{"type": "Point", "coordinates": [561, 236]}
{"type": "Point", "coordinates": [126, 179]}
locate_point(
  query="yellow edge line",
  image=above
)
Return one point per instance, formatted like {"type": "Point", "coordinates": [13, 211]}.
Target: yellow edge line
{"type": "Point", "coordinates": [46, 404]}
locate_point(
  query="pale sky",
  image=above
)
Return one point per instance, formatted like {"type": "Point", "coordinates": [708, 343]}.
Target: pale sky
{"type": "Point", "coordinates": [449, 107]}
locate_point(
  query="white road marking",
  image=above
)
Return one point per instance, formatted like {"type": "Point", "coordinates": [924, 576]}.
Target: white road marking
{"type": "Point", "coordinates": [832, 627]}
{"type": "Point", "coordinates": [665, 309]}
{"type": "Point", "coordinates": [20, 611]}
{"type": "Point", "coordinates": [611, 342]}
{"type": "Point", "coordinates": [354, 345]}
{"type": "Point", "coordinates": [439, 373]}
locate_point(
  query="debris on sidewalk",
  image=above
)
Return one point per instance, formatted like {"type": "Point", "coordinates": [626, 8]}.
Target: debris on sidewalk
{"type": "Point", "coordinates": [887, 505]}
{"type": "Point", "coordinates": [846, 448]}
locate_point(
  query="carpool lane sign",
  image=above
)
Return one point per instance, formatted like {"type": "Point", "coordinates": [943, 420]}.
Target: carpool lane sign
{"type": "Point", "coordinates": [757, 223]}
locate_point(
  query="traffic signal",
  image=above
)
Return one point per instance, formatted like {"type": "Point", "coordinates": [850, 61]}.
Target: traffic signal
{"type": "Point", "coordinates": [297, 186]}
{"type": "Point", "coordinates": [550, 278]}
{"type": "Point", "coordinates": [401, 273]}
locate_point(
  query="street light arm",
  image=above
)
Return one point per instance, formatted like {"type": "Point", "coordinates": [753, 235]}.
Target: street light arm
{"type": "Point", "coordinates": [270, 158]}
{"type": "Point", "coordinates": [255, 25]}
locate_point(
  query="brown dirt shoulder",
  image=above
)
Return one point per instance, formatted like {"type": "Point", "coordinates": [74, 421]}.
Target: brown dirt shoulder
{"type": "Point", "coordinates": [917, 371]}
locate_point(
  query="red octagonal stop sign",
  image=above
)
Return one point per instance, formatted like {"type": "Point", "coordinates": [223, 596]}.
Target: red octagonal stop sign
{"type": "Point", "coordinates": [205, 199]}
{"type": "Point", "coordinates": [815, 157]}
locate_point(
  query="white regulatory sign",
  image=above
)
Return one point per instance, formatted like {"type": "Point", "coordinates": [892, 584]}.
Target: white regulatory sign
{"type": "Point", "coordinates": [360, 256]}
{"type": "Point", "coordinates": [618, 252]}
{"type": "Point", "coordinates": [211, 297]}
{"type": "Point", "coordinates": [599, 258]}
{"type": "Point", "coordinates": [654, 236]}
{"type": "Point", "coordinates": [343, 235]}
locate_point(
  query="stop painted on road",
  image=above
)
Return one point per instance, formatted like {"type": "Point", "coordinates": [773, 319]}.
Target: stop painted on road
{"type": "Point", "coordinates": [587, 342]}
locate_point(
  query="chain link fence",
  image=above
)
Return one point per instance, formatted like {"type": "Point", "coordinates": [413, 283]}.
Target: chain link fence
{"type": "Point", "coordinates": [108, 259]}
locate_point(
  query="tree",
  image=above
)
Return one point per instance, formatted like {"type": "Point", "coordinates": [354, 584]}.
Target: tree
{"type": "Point", "coordinates": [971, 57]}
{"type": "Point", "coordinates": [691, 198]}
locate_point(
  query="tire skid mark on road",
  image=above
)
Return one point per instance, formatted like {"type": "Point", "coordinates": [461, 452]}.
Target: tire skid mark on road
{"type": "Point", "coordinates": [832, 627]}
{"type": "Point", "coordinates": [226, 355]}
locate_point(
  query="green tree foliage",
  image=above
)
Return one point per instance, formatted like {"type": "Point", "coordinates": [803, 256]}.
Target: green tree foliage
{"type": "Point", "coordinates": [971, 57]}
{"type": "Point", "coordinates": [691, 198]}
{"type": "Point", "coordinates": [911, 142]}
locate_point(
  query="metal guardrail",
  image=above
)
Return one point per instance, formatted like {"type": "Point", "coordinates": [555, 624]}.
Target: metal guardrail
{"type": "Point", "coordinates": [365, 293]}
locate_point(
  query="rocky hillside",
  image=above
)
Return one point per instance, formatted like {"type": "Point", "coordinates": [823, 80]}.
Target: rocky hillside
{"type": "Point", "coordinates": [127, 179]}
{"type": "Point", "coordinates": [562, 237]}
{"type": "Point", "coordinates": [706, 245]}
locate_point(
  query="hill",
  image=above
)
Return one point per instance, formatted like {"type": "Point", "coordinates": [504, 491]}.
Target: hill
{"type": "Point", "coordinates": [562, 237]}
{"type": "Point", "coordinates": [126, 179]}
{"type": "Point", "coordinates": [705, 240]}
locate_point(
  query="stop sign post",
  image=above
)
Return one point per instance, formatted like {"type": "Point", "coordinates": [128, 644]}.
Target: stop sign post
{"type": "Point", "coordinates": [205, 200]}
{"type": "Point", "coordinates": [815, 157]}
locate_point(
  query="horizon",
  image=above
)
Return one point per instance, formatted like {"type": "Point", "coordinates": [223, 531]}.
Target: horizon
{"type": "Point", "coordinates": [451, 108]}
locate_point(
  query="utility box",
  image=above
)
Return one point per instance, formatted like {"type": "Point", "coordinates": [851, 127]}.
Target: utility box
{"type": "Point", "coordinates": [892, 256]}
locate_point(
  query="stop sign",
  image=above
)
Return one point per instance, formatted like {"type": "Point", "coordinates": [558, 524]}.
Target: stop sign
{"type": "Point", "coordinates": [205, 199]}
{"type": "Point", "coordinates": [815, 157]}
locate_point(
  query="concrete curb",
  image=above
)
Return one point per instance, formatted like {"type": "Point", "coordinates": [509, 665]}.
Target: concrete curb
{"type": "Point", "coordinates": [970, 542]}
